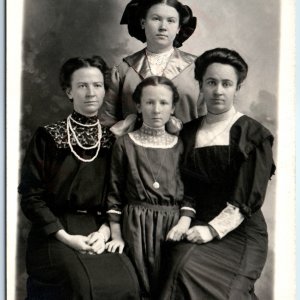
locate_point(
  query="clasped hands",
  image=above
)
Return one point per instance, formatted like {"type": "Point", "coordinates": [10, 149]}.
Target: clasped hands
{"type": "Point", "coordinates": [92, 244]}
{"type": "Point", "coordinates": [197, 234]}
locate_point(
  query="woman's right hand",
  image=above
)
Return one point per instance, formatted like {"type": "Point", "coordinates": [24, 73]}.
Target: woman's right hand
{"type": "Point", "coordinates": [114, 245]}
{"type": "Point", "coordinates": [76, 242]}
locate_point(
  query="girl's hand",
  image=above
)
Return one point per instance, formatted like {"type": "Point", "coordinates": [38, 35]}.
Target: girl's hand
{"type": "Point", "coordinates": [199, 234]}
{"type": "Point", "coordinates": [97, 242]}
{"type": "Point", "coordinates": [178, 232]}
{"type": "Point", "coordinates": [114, 245]}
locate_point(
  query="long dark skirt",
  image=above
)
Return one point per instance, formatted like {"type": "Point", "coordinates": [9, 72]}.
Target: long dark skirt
{"type": "Point", "coordinates": [79, 276]}
{"type": "Point", "coordinates": [219, 270]}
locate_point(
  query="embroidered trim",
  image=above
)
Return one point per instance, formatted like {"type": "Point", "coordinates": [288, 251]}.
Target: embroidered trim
{"type": "Point", "coordinates": [86, 136]}
{"type": "Point", "coordinates": [153, 138]}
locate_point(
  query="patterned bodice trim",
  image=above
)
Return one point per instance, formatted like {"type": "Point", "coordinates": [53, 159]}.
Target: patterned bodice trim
{"type": "Point", "coordinates": [87, 136]}
{"type": "Point", "coordinates": [153, 138]}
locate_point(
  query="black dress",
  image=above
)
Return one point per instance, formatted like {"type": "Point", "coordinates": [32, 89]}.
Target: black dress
{"type": "Point", "coordinates": [61, 192]}
{"type": "Point", "coordinates": [238, 174]}
{"type": "Point", "coordinates": [148, 214]}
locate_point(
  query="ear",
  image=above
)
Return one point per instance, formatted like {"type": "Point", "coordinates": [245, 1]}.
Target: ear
{"type": "Point", "coordinates": [237, 89]}
{"type": "Point", "coordinates": [143, 23]}
{"type": "Point", "coordinates": [179, 27]}
{"type": "Point", "coordinates": [138, 107]}
{"type": "Point", "coordinates": [173, 109]}
{"type": "Point", "coordinates": [68, 92]}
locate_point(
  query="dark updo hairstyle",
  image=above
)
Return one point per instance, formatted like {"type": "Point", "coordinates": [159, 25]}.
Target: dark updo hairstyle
{"type": "Point", "coordinates": [222, 56]}
{"type": "Point", "coordinates": [155, 81]}
{"type": "Point", "coordinates": [75, 63]}
{"type": "Point", "coordinates": [137, 10]}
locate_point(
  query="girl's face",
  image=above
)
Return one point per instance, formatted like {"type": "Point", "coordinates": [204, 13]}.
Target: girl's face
{"type": "Point", "coordinates": [156, 105]}
{"type": "Point", "coordinates": [87, 90]}
{"type": "Point", "coordinates": [161, 26]}
{"type": "Point", "coordinates": [219, 87]}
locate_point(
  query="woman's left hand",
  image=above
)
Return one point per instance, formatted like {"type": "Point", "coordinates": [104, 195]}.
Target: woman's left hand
{"type": "Point", "coordinates": [96, 240]}
{"type": "Point", "coordinates": [199, 234]}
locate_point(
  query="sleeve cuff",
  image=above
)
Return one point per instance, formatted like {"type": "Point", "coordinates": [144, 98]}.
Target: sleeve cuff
{"type": "Point", "coordinates": [114, 215]}
{"type": "Point", "coordinates": [187, 212]}
{"type": "Point", "coordinates": [229, 219]}
{"type": "Point", "coordinates": [52, 227]}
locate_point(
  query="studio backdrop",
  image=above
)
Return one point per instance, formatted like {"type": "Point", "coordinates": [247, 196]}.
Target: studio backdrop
{"type": "Point", "coordinates": [54, 31]}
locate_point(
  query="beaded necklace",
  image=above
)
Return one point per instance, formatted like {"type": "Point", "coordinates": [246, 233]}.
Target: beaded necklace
{"type": "Point", "coordinates": [71, 131]}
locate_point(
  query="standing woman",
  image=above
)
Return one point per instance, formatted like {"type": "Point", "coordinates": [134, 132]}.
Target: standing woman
{"type": "Point", "coordinates": [63, 187]}
{"type": "Point", "coordinates": [164, 25]}
{"type": "Point", "coordinates": [227, 165]}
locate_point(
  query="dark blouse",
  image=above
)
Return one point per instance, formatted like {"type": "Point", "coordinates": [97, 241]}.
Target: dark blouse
{"type": "Point", "coordinates": [131, 178]}
{"type": "Point", "coordinates": [237, 174]}
{"type": "Point", "coordinates": [54, 181]}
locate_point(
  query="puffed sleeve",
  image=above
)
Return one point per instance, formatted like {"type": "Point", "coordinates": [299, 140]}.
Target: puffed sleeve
{"type": "Point", "coordinates": [115, 199]}
{"type": "Point", "coordinates": [253, 174]}
{"type": "Point", "coordinates": [33, 184]}
{"type": "Point", "coordinates": [111, 110]}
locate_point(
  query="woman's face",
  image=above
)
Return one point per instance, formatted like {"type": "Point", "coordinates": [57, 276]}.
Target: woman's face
{"type": "Point", "coordinates": [219, 87]}
{"type": "Point", "coordinates": [161, 27]}
{"type": "Point", "coordinates": [156, 105]}
{"type": "Point", "coordinates": [87, 90]}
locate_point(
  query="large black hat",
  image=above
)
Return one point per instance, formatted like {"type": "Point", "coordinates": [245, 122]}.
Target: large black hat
{"type": "Point", "coordinates": [137, 9]}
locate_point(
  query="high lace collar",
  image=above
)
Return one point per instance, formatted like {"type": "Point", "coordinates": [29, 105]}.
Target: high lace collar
{"type": "Point", "coordinates": [153, 137]}
{"type": "Point", "coordinates": [84, 119]}
{"type": "Point", "coordinates": [145, 129]}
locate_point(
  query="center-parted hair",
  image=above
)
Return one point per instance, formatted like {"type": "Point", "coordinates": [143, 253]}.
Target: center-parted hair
{"type": "Point", "coordinates": [76, 63]}
{"type": "Point", "coordinates": [138, 9]}
{"type": "Point", "coordinates": [222, 56]}
{"type": "Point", "coordinates": [155, 81]}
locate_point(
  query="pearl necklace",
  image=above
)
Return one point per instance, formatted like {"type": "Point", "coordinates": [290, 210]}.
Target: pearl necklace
{"type": "Point", "coordinates": [70, 130]}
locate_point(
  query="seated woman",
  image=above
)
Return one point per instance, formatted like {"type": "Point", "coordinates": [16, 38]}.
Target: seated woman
{"type": "Point", "coordinates": [63, 188]}
{"type": "Point", "coordinates": [226, 168]}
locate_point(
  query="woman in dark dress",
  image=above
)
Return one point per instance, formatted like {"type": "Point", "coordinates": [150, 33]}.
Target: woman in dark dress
{"type": "Point", "coordinates": [63, 187]}
{"type": "Point", "coordinates": [227, 165]}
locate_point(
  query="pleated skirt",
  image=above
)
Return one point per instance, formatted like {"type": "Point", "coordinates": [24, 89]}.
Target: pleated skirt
{"type": "Point", "coordinates": [145, 227]}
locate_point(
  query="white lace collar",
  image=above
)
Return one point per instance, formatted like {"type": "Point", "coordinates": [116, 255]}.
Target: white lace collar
{"type": "Point", "coordinates": [153, 137]}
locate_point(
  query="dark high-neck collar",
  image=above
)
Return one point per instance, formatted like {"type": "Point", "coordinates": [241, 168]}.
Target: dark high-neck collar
{"type": "Point", "coordinates": [152, 131]}
{"type": "Point", "coordinates": [84, 119]}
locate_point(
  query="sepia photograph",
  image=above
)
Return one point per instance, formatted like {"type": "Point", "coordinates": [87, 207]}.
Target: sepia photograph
{"type": "Point", "coordinates": [150, 150]}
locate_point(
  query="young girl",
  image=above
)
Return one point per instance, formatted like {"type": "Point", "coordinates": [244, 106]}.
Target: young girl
{"type": "Point", "coordinates": [146, 191]}
{"type": "Point", "coordinates": [163, 25]}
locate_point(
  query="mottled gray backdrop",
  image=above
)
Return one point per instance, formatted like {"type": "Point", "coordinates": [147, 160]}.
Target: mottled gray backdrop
{"type": "Point", "coordinates": [57, 30]}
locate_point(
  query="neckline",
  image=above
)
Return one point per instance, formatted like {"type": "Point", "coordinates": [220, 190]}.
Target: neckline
{"type": "Point", "coordinates": [84, 119]}
{"type": "Point", "coordinates": [152, 131]}
{"type": "Point", "coordinates": [166, 53]}
{"type": "Point", "coordinates": [212, 118]}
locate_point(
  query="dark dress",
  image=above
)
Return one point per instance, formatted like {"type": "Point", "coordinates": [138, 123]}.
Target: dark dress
{"type": "Point", "coordinates": [224, 268]}
{"type": "Point", "coordinates": [58, 191]}
{"type": "Point", "coordinates": [147, 213]}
